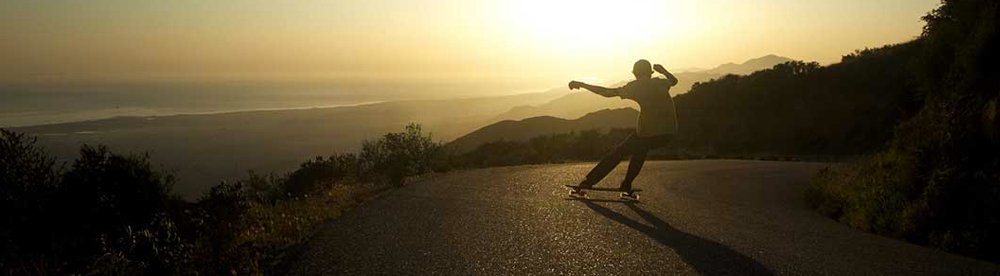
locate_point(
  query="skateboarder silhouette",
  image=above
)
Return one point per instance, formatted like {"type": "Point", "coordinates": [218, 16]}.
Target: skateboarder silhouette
{"type": "Point", "coordinates": [656, 126]}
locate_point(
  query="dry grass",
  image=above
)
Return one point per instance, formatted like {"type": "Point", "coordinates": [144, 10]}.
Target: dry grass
{"type": "Point", "coordinates": [272, 231]}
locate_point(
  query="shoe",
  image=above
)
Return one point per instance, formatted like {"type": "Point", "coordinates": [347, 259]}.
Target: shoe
{"type": "Point", "coordinates": [586, 184]}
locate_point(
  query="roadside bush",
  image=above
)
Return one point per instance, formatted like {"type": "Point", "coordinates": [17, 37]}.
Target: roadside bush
{"type": "Point", "coordinates": [113, 214]}
{"type": "Point", "coordinates": [218, 220]}
{"type": "Point", "coordinates": [107, 214]}
{"type": "Point", "coordinates": [110, 204]}
{"type": "Point", "coordinates": [265, 188]}
{"type": "Point", "coordinates": [105, 196]}
{"type": "Point", "coordinates": [937, 181]}
{"type": "Point", "coordinates": [398, 155]}
{"type": "Point", "coordinates": [157, 249]}
{"type": "Point", "coordinates": [320, 173]}
{"type": "Point", "coordinates": [28, 180]}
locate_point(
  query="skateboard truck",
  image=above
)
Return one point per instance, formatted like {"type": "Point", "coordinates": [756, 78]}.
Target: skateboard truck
{"type": "Point", "coordinates": [580, 191]}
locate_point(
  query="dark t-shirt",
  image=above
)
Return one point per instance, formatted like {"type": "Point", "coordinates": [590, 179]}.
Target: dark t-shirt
{"type": "Point", "coordinates": [657, 115]}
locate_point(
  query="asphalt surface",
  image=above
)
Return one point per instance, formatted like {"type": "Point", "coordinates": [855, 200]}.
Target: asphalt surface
{"type": "Point", "coordinates": [695, 217]}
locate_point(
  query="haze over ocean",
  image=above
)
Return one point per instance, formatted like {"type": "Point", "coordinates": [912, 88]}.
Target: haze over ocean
{"type": "Point", "coordinates": [34, 104]}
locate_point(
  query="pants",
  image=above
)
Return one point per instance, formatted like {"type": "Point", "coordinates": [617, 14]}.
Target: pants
{"type": "Point", "coordinates": [633, 146]}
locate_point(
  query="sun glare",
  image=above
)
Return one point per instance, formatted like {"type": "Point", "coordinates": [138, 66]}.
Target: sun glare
{"type": "Point", "coordinates": [589, 24]}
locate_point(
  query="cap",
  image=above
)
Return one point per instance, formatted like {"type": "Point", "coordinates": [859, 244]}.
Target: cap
{"type": "Point", "coordinates": [642, 67]}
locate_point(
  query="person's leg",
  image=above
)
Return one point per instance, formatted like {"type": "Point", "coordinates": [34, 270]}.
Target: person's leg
{"type": "Point", "coordinates": [642, 146]}
{"type": "Point", "coordinates": [634, 166]}
{"type": "Point", "coordinates": [609, 162]}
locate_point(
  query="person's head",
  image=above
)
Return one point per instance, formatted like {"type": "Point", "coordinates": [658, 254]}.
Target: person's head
{"type": "Point", "coordinates": [642, 69]}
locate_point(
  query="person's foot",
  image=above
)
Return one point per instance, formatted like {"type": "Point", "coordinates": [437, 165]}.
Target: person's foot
{"type": "Point", "coordinates": [586, 183]}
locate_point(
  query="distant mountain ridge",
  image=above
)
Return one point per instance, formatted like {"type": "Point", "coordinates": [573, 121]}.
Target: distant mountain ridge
{"type": "Point", "coordinates": [576, 104]}
{"type": "Point", "coordinates": [749, 66]}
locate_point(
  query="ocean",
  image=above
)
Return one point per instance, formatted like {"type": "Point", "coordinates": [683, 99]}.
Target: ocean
{"type": "Point", "coordinates": [60, 102]}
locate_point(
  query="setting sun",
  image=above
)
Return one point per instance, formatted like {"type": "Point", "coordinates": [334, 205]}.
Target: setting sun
{"type": "Point", "coordinates": [591, 25]}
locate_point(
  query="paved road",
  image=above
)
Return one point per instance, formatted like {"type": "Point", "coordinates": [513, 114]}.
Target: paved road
{"type": "Point", "coordinates": [696, 217]}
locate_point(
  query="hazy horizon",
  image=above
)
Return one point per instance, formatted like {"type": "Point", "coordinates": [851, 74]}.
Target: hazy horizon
{"type": "Point", "coordinates": [523, 41]}
{"type": "Point", "coordinates": [56, 102]}
{"type": "Point", "coordinates": [61, 102]}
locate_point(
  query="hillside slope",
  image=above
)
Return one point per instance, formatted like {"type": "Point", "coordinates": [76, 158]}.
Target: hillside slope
{"type": "Point", "coordinates": [799, 108]}
{"type": "Point", "coordinates": [545, 125]}
{"type": "Point", "coordinates": [937, 181]}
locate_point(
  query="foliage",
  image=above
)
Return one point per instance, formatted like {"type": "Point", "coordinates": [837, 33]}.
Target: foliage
{"type": "Point", "coordinates": [113, 214]}
{"type": "Point", "coordinates": [104, 208]}
{"type": "Point", "coordinates": [28, 178]}
{"type": "Point", "coordinates": [800, 108]}
{"type": "Point", "coordinates": [320, 173]}
{"type": "Point", "coordinates": [108, 196]}
{"type": "Point", "coordinates": [936, 182]}
{"type": "Point", "coordinates": [398, 155]}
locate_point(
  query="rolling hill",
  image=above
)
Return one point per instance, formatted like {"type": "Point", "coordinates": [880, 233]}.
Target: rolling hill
{"type": "Point", "coordinates": [511, 130]}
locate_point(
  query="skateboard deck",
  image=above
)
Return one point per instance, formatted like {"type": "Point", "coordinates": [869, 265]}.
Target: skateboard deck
{"type": "Point", "coordinates": [599, 189]}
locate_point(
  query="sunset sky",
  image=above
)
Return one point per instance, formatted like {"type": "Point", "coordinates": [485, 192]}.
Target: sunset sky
{"type": "Point", "coordinates": [540, 41]}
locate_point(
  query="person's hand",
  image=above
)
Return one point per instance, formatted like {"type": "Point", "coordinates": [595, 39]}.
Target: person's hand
{"type": "Point", "coordinates": [659, 68]}
{"type": "Point", "coordinates": [574, 85]}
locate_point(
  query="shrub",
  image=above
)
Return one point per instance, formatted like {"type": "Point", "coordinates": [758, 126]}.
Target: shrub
{"type": "Point", "coordinates": [107, 199]}
{"type": "Point", "coordinates": [113, 214]}
{"type": "Point", "coordinates": [107, 214]}
{"type": "Point", "coordinates": [397, 155]}
{"type": "Point", "coordinates": [28, 179]}
{"type": "Point", "coordinates": [320, 173]}
{"type": "Point", "coordinates": [219, 216]}
{"type": "Point", "coordinates": [265, 188]}
{"type": "Point", "coordinates": [937, 181]}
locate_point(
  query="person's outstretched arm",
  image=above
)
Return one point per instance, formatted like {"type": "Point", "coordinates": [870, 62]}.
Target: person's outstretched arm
{"type": "Point", "coordinates": [670, 77]}
{"type": "Point", "coordinates": [603, 91]}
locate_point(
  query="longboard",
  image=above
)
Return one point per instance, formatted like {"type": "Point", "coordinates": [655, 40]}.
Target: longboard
{"type": "Point", "coordinates": [577, 191]}
{"type": "Point", "coordinates": [599, 189]}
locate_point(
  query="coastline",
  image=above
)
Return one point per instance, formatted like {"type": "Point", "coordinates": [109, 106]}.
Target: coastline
{"type": "Point", "coordinates": [152, 115]}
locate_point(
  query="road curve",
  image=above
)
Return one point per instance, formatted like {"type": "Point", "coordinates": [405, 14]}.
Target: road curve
{"type": "Point", "coordinates": [717, 217]}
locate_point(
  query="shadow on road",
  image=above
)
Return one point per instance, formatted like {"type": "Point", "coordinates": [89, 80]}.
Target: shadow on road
{"type": "Point", "coordinates": [705, 256]}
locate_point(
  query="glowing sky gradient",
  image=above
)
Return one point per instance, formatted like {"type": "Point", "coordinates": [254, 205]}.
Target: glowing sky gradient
{"type": "Point", "coordinates": [527, 40]}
